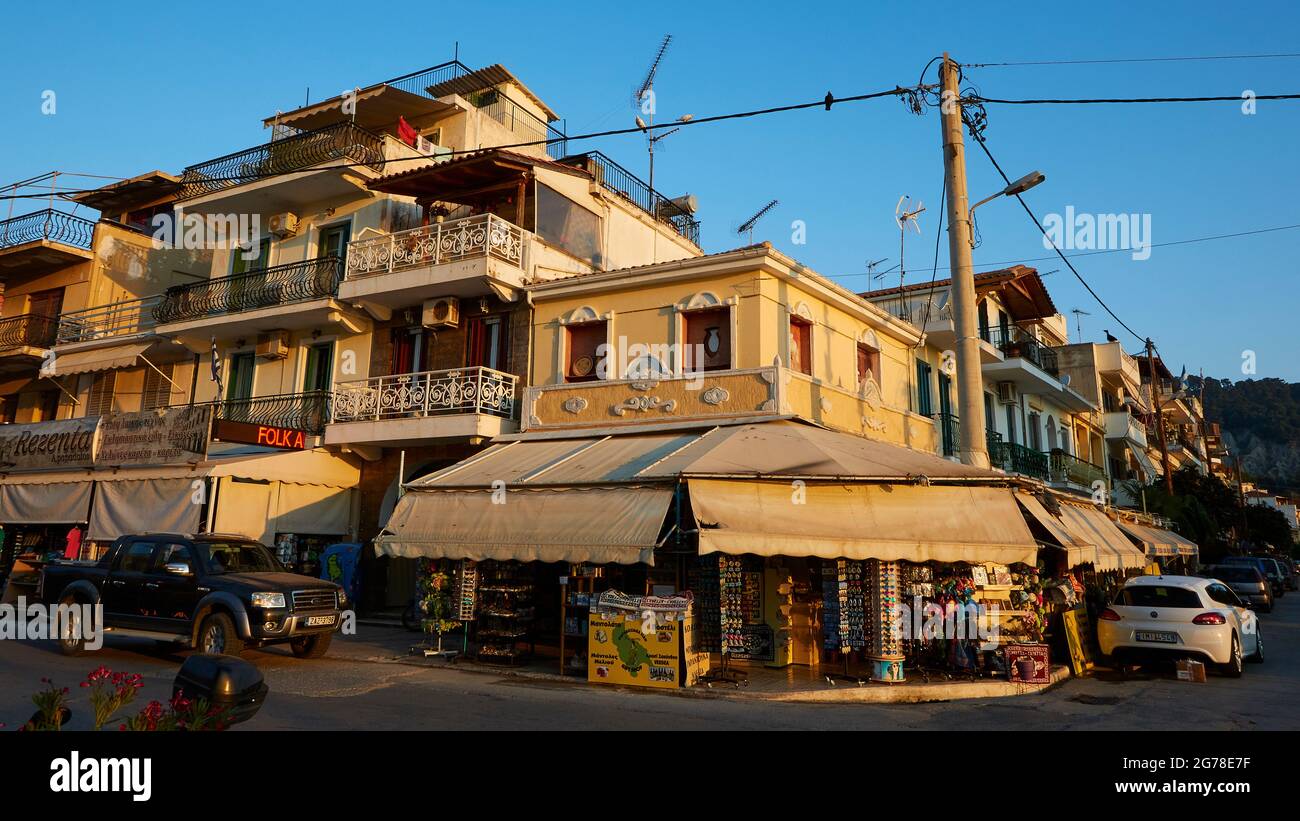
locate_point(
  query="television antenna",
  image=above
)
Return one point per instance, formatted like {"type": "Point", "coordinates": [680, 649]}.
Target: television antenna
{"type": "Point", "coordinates": [1079, 313]}
{"type": "Point", "coordinates": [871, 268]}
{"type": "Point", "coordinates": [905, 214]}
{"type": "Point", "coordinates": [748, 225]}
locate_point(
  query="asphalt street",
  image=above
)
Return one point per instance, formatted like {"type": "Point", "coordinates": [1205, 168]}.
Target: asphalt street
{"type": "Point", "coordinates": [353, 689]}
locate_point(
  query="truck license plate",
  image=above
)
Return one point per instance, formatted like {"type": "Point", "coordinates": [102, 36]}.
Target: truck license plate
{"type": "Point", "coordinates": [319, 621]}
{"type": "Point", "coordinates": [1167, 638]}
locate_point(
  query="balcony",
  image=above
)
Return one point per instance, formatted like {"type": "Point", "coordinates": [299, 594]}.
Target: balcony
{"type": "Point", "coordinates": [442, 258]}
{"type": "Point", "coordinates": [1014, 458]}
{"type": "Point", "coordinates": [128, 318]}
{"type": "Point", "coordinates": [25, 339]}
{"type": "Point", "coordinates": [405, 408]}
{"type": "Point", "coordinates": [308, 411]}
{"type": "Point", "coordinates": [292, 296]}
{"type": "Point", "coordinates": [1032, 366]}
{"type": "Point", "coordinates": [1124, 426]}
{"type": "Point", "coordinates": [618, 180]}
{"type": "Point", "coordinates": [1071, 470]}
{"type": "Point", "coordinates": [43, 241]}
{"type": "Point", "coordinates": [349, 153]}
{"type": "Point", "coordinates": [949, 433]}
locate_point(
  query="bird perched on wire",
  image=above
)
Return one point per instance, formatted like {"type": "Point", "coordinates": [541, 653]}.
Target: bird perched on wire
{"type": "Point", "coordinates": [1110, 337]}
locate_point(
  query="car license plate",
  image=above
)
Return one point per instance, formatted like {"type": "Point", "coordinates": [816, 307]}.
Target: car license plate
{"type": "Point", "coordinates": [319, 621]}
{"type": "Point", "coordinates": [1167, 638]}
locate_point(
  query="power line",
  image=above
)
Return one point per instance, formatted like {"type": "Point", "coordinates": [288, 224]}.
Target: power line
{"type": "Point", "coordinates": [1135, 60]}
{"type": "Point", "coordinates": [978, 98]}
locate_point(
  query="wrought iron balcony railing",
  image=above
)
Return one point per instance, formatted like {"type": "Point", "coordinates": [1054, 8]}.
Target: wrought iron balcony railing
{"type": "Point", "coordinates": [1066, 468]}
{"type": "Point", "coordinates": [429, 393]}
{"type": "Point", "coordinates": [1015, 458]}
{"type": "Point", "coordinates": [528, 127]}
{"type": "Point", "coordinates": [482, 235]}
{"type": "Point", "coordinates": [132, 316]}
{"type": "Point", "coordinates": [49, 225]}
{"type": "Point", "coordinates": [31, 330]}
{"type": "Point", "coordinates": [619, 180]}
{"type": "Point", "coordinates": [949, 433]}
{"type": "Point", "coordinates": [345, 142]}
{"type": "Point", "coordinates": [1014, 342]}
{"type": "Point", "coordinates": [308, 411]}
{"type": "Point", "coordinates": [263, 288]}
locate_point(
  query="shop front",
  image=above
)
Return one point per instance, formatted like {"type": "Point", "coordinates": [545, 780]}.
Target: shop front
{"type": "Point", "coordinates": [1171, 552]}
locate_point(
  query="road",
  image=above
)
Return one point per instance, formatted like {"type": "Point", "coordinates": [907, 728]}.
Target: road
{"type": "Point", "coordinates": [345, 691]}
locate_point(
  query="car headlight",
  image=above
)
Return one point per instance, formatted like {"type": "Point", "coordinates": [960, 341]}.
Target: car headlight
{"type": "Point", "coordinates": [343, 599]}
{"type": "Point", "coordinates": [268, 600]}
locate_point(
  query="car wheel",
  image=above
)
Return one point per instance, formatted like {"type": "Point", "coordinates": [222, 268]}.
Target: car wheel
{"type": "Point", "coordinates": [217, 634]}
{"type": "Point", "coordinates": [311, 647]}
{"type": "Point", "coordinates": [1257, 657]}
{"type": "Point", "coordinates": [72, 640]}
{"type": "Point", "coordinates": [1234, 668]}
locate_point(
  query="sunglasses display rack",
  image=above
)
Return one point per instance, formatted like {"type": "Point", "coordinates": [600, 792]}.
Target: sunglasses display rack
{"type": "Point", "coordinates": [884, 600]}
{"type": "Point", "coordinates": [506, 611]}
{"type": "Point", "coordinates": [704, 581]}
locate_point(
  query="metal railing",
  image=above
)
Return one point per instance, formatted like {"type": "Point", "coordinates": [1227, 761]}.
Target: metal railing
{"type": "Point", "coordinates": [262, 288]}
{"type": "Point", "coordinates": [131, 316]}
{"type": "Point", "coordinates": [619, 180]}
{"type": "Point", "coordinates": [1015, 458]}
{"type": "Point", "coordinates": [341, 141]}
{"type": "Point", "coordinates": [949, 433]}
{"type": "Point", "coordinates": [1066, 468]}
{"type": "Point", "coordinates": [1016, 343]}
{"type": "Point", "coordinates": [308, 411]}
{"type": "Point", "coordinates": [519, 120]}
{"type": "Point", "coordinates": [48, 225]}
{"type": "Point", "coordinates": [482, 235]}
{"type": "Point", "coordinates": [428, 393]}
{"type": "Point", "coordinates": [33, 330]}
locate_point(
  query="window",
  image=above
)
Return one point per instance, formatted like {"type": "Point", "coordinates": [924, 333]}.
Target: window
{"type": "Point", "coordinates": [868, 363]}
{"type": "Point", "coordinates": [174, 554]}
{"type": "Point", "coordinates": [924, 397]}
{"type": "Point", "coordinates": [240, 262]}
{"type": "Point", "coordinates": [1156, 595]}
{"type": "Point", "coordinates": [1222, 594]}
{"type": "Point", "coordinates": [708, 340]}
{"type": "Point", "coordinates": [585, 362]}
{"type": "Point", "coordinates": [100, 400]}
{"type": "Point", "coordinates": [485, 345]}
{"type": "Point", "coordinates": [319, 374]}
{"type": "Point", "coordinates": [1035, 434]}
{"type": "Point", "coordinates": [136, 558]}
{"type": "Point", "coordinates": [157, 387]}
{"type": "Point", "coordinates": [984, 320]}
{"type": "Point", "coordinates": [990, 423]}
{"type": "Point", "coordinates": [801, 345]}
{"type": "Point", "coordinates": [1012, 436]}
{"type": "Point", "coordinates": [47, 406]}
{"type": "Point", "coordinates": [334, 241]}
{"type": "Point", "coordinates": [8, 405]}
{"type": "Point", "coordinates": [407, 350]}
{"type": "Point", "coordinates": [242, 367]}
{"type": "Point", "coordinates": [567, 225]}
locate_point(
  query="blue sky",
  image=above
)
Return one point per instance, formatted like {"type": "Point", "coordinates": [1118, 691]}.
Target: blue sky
{"type": "Point", "coordinates": [150, 87]}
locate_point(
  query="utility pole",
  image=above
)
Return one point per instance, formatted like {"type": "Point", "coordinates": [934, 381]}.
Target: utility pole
{"type": "Point", "coordinates": [970, 391]}
{"type": "Point", "coordinates": [1241, 500]}
{"type": "Point", "coordinates": [1160, 418]}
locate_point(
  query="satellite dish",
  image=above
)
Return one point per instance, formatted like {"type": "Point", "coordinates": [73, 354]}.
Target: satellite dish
{"type": "Point", "coordinates": [1065, 381]}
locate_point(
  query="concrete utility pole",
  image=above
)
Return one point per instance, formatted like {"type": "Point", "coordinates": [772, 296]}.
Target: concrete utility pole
{"type": "Point", "coordinates": [970, 390]}
{"type": "Point", "coordinates": [1160, 418]}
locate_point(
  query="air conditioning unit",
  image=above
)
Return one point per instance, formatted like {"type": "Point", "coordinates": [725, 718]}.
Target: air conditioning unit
{"type": "Point", "coordinates": [1007, 393]}
{"type": "Point", "coordinates": [273, 345]}
{"type": "Point", "coordinates": [443, 312]}
{"type": "Point", "coordinates": [282, 225]}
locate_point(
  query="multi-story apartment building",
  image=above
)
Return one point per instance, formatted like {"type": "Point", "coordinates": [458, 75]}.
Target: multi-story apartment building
{"type": "Point", "coordinates": [1180, 413]}
{"type": "Point", "coordinates": [1039, 421]}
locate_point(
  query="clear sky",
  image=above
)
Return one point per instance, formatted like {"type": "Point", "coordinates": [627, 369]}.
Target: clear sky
{"type": "Point", "coordinates": [144, 86]}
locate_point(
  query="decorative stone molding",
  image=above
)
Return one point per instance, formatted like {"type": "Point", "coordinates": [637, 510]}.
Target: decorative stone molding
{"type": "Point", "coordinates": [701, 300]}
{"type": "Point", "coordinates": [873, 424]}
{"type": "Point", "coordinates": [578, 315]}
{"type": "Point", "coordinates": [641, 404]}
{"type": "Point", "coordinates": [802, 311]}
{"type": "Point", "coordinates": [870, 339]}
{"type": "Point", "coordinates": [575, 404]}
{"type": "Point", "coordinates": [870, 392]}
{"type": "Point", "coordinates": [715, 396]}
{"type": "Point", "coordinates": [648, 385]}
{"type": "Point", "coordinates": [825, 405]}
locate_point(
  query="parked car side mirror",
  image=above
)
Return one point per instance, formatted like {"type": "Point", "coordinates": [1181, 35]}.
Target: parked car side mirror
{"type": "Point", "coordinates": [178, 568]}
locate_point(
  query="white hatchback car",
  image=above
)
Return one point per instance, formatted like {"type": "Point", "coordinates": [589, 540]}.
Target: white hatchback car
{"type": "Point", "coordinates": [1181, 617]}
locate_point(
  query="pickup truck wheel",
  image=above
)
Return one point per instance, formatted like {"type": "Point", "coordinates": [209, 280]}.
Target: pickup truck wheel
{"type": "Point", "coordinates": [217, 634]}
{"type": "Point", "coordinates": [311, 647]}
{"type": "Point", "coordinates": [71, 634]}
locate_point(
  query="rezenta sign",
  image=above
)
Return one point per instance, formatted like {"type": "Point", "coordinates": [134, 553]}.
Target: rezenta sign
{"type": "Point", "coordinates": [271, 436]}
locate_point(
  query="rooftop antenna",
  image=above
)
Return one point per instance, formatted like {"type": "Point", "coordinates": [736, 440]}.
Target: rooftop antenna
{"type": "Point", "coordinates": [905, 214]}
{"type": "Point", "coordinates": [643, 99]}
{"type": "Point", "coordinates": [748, 225]}
{"type": "Point", "coordinates": [647, 85]}
{"type": "Point", "coordinates": [871, 268]}
{"type": "Point", "coordinates": [1079, 313]}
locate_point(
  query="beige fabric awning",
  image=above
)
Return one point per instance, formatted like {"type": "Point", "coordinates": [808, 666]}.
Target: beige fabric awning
{"type": "Point", "coordinates": [1079, 550]}
{"type": "Point", "coordinates": [1159, 542]}
{"type": "Point", "coordinates": [1150, 468]}
{"type": "Point", "coordinates": [606, 525]}
{"type": "Point", "coordinates": [1114, 550]}
{"type": "Point", "coordinates": [890, 522]}
{"type": "Point", "coordinates": [99, 359]}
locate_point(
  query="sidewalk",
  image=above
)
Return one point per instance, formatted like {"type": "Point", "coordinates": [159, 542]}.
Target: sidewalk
{"type": "Point", "coordinates": [386, 645]}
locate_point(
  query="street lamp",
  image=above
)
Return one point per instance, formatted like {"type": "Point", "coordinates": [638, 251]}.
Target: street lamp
{"type": "Point", "coordinates": [1012, 189]}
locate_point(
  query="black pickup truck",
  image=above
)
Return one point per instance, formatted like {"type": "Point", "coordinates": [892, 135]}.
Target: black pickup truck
{"type": "Point", "coordinates": [219, 593]}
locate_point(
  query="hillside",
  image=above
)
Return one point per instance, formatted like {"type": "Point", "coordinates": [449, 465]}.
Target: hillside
{"type": "Point", "coordinates": [1260, 419]}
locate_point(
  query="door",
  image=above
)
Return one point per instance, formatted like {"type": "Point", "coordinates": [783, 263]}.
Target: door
{"type": "Point", "coordinates": [333, 241]}
{"type": "Point", "coordinates": [319, 374]}
{"type": "Point", "coordinates": [124, 587]}
{"type": "Point", "coordinates": [168, 599]}
{"type": "Point", "coordinates": [248, 286]}
{"type": "Point", "coordinates": [45, 308]}
{"type": "Point", "coordinates": [242, 367]}
{"type": "Point", "coordinates": [486, 342]}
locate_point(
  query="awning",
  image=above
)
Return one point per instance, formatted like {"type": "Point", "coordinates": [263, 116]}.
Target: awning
{"type": "Point", "coordinates": [317, 466]}
{"type": "Point", "coordinates": [65, 502]}
{"type": "Point", "coordinates": [1159, 542]}
{"type": "Point", "coordinates": [1114, 550]}
{"type": "Point", "coordinates": [375, 108]}
{"type": "Point", "coordinates": [1148, 467]}
{"type": "Point", "coordinates": [610, 525]}
{"type": "Point", "coordinates": [143, 506]}
{"type": "Point", "coordinates": [1079, 550]}
{"type": "Point", "coordinates": [98, 359]}
{"type": "Point", "coordinates": [889, 522]}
